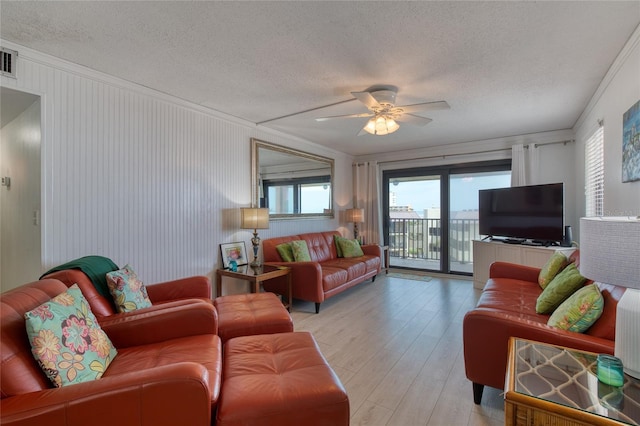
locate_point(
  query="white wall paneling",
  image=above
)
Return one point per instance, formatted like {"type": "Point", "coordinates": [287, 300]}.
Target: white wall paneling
{"type": "Point", "coordinates": [144, 178]}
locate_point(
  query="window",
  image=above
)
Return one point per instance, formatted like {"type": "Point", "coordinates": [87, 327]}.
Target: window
{"type": "Point", "coordinates": [594, 174]}
{"type": "Point", "coordinates": [297, 196]}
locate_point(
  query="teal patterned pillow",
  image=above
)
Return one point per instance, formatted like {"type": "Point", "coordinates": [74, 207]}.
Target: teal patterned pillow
{"type": "Point", "coordinates": [129, 293]}
{"type": "Point", "coordinates": [350, 248]}
{"type": "Point", "coordinates": [300, 251]}
{"type": "Point", "coordinates": [67, 340]}
{"type": "Point", "coordinates": [285, 251]}
{"type": "Point", "coordinates": [579, 311]}
{"type": "Point", "coordinates": [559, 289]}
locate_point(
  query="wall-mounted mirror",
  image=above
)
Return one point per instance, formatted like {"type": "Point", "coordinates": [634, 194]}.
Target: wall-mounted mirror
{"type": "Point", "coordinates": [291, 183]}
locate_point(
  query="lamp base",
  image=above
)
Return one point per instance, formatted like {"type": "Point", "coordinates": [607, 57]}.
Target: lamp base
{"type": "Point", "coordinates": [255, 264]}
{"type": "Point", "coordinates": [628, 332]}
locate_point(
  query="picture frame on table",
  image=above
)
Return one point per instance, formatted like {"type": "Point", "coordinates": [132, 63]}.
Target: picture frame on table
{"type": "Point", "coordinates": [233, 251]}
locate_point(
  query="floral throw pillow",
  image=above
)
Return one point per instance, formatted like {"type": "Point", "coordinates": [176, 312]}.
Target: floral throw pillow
{"type": "Point", "coordinates": [350, 248]}
{"type": "Point", "coordinates": [554, 265]}
{"type": "Point", "coordinates": [559, 289]}
{"type": "Point", "coordinates": [285, 251]}
{"type": "Point", "coordinates": [129, 293]}
{"type": "Point", "coordinates": [300, 251]}
{"type": "Point", "coordinates": [579, 311]}
{"type": "Point", "coordinates": [67, 341]}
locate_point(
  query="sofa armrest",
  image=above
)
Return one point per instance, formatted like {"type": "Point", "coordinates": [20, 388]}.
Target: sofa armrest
{"type": "Point", "coordinates": [173, 394]}
{"type": "Point", "coordinates": [486, 335]}
{"type": "Point", "coordinates": [514, 271]}
{"type": "Point", "coordinates": [372, 249]}
{"type": "Point", "coordinates": [184, 288]}
{"type": "Point", "coordinates": [152, 326]}
{"type": "Point", "coordinates": [306, 281]}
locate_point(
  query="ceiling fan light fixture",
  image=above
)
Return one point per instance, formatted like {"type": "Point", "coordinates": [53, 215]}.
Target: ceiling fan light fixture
{"type": "Point", "coordinates": [381, 125]}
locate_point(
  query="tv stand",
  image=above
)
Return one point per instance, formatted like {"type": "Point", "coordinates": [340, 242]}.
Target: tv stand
{"type": "Point", "coordinates": [487, 252]}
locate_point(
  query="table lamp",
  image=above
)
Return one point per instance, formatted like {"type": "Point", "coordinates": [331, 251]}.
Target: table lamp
{"type": "Point", "coordinates": [610, 254]}
{"type": "Point", "coordinates": [356, 216]}
{"type": "Point", "coordinates": [254, 218]}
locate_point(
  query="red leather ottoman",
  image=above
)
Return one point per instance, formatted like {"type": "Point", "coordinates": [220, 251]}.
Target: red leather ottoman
{"type": "Point", "coordinates": [279, 379]}
{"type": "Point", "coordinates": [249, 314]}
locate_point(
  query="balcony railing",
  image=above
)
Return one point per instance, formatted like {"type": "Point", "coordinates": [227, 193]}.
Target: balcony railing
{"type": "Point", "coordinates": [421, 239]}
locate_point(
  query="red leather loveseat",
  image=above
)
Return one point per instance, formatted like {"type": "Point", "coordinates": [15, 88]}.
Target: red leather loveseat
{"type": "Point", "coordinates": [327, 274]}
{"type": "Point", "coordinates": [168, 369]}
{"type": "Point", "coordinates": [507, 307]}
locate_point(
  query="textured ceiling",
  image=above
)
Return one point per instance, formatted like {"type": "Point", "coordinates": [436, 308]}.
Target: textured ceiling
{"type": "Point", "coordinates": [505, 68]}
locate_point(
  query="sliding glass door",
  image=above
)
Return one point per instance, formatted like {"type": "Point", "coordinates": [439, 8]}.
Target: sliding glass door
{"type": "Point", "coordinates": [463, 213]}
{"type": "Point", "coordinates": [431, 214]}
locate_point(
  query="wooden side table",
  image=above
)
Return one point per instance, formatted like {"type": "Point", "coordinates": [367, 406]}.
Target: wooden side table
{"type": "Point", "coordinates": [554, 385]}
{"type": "Point", "coordinates": [255, 276]}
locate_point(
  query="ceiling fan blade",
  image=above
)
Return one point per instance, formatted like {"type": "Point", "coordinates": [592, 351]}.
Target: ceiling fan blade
{"type": "Point", "coordinates": [364, 114]}
{"type": "Point", "coordinates": [367, 99]}
{"type": "Point", "coordinates": [415, 120]}
{"type": "Point", "coordinates": [427, 106]}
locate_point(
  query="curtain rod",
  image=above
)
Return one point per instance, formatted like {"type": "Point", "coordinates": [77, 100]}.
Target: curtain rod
{"type": "Point", "coordinates": [469, 153]}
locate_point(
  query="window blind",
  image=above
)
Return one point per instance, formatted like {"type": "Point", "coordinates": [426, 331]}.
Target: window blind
{"type": "Point", "coordinates": [594, 174]}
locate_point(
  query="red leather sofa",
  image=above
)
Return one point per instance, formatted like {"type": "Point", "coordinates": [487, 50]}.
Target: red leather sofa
{"type": "Point", "coordinates": [507, 308]}
{"type": "Point", "coordinates": [167, 372]}
{"type": "Point", "coordinates": [327, 274]}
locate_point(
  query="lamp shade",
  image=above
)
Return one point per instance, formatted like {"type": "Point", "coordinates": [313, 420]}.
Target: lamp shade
{"type": "Point", "coordinates": [355, 215]}
{"type": "Point", "coordinates": [254, 218]}
{"type": "Point", "coordinates": [610, 254]}
{"type": "Point", "coordinates": [381, 125]}
{"type": "Point", "coordinates": [610, 250]}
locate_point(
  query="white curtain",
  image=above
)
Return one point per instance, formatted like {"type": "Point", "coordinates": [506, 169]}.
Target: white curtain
{"type": "Point", "coordinates": [366, 196]}
{"type": "Point", "coordinates": [518, 166]}
{"type": "Point", "coordinates": [525, 165]}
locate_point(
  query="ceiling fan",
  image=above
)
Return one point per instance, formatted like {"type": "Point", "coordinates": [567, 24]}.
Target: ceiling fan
{"type": "Point", "coordinates": [383, 113]}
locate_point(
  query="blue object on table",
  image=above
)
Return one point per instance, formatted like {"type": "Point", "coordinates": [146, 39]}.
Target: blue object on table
{"type": "Point", "coordinates": [233, 266]}
{"type": "Point", "coordinates": [610, 370]}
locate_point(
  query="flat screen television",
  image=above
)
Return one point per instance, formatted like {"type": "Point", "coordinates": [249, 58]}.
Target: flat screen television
{"type": "Point", "coordinates": [523, 213]}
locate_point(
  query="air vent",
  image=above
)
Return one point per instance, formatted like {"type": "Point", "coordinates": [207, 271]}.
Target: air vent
{"type": "Point", "coordinates": [8, 62]}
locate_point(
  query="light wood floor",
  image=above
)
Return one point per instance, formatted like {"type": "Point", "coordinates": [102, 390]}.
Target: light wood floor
{"type": "Point", "coordinates": [396, 345]}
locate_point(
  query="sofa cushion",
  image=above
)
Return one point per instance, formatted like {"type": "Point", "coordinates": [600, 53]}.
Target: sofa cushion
{"type": "Point", "coordinates": [355, 267]}
{"type": "Point", "coordinates": [332, 277]}
{"type": "Point", "coordinates": [67, 341]}
{"type": "Point", "coordinates": [300, 251]}
{"type": "Point", "coordinates": [129, 293]}
{"type": "Point", "coordinates": [514, 304]}
{"type": "Point", "coordinates": [285, 251]}
{"type": "Point", "coordinates": [560, 288]}
{"type": "Point", "coordinates": [554, 265]}
{"type": "Point", "coordinates": [350, 248]}
{"type": "Point", "coordinates": [579, 311]}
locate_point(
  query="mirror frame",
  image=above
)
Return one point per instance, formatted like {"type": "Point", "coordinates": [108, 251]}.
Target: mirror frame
{"type": "Point", "coordinates": [256, 145]}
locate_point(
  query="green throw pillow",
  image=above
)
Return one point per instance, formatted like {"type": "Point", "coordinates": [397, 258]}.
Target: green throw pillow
{"type": "Point", "coordinates": [67, 341]}
{"type": "Point", "coordinates": [559, 289]}
{"type": "Point", "coordinates": [337, 238]}
{"type": "Point", "coordinates": [579, 311]}
{"type": "Point", "coordinates": [285, 251]}
{"type": "Point", "coordinates": [128, 292]}
{"type": "Point", "coordinates": [350, 248]}
{"type": "Point", "coordinates": [554, 265]}
{"type": "Point", "coordinates": [300, 251]}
